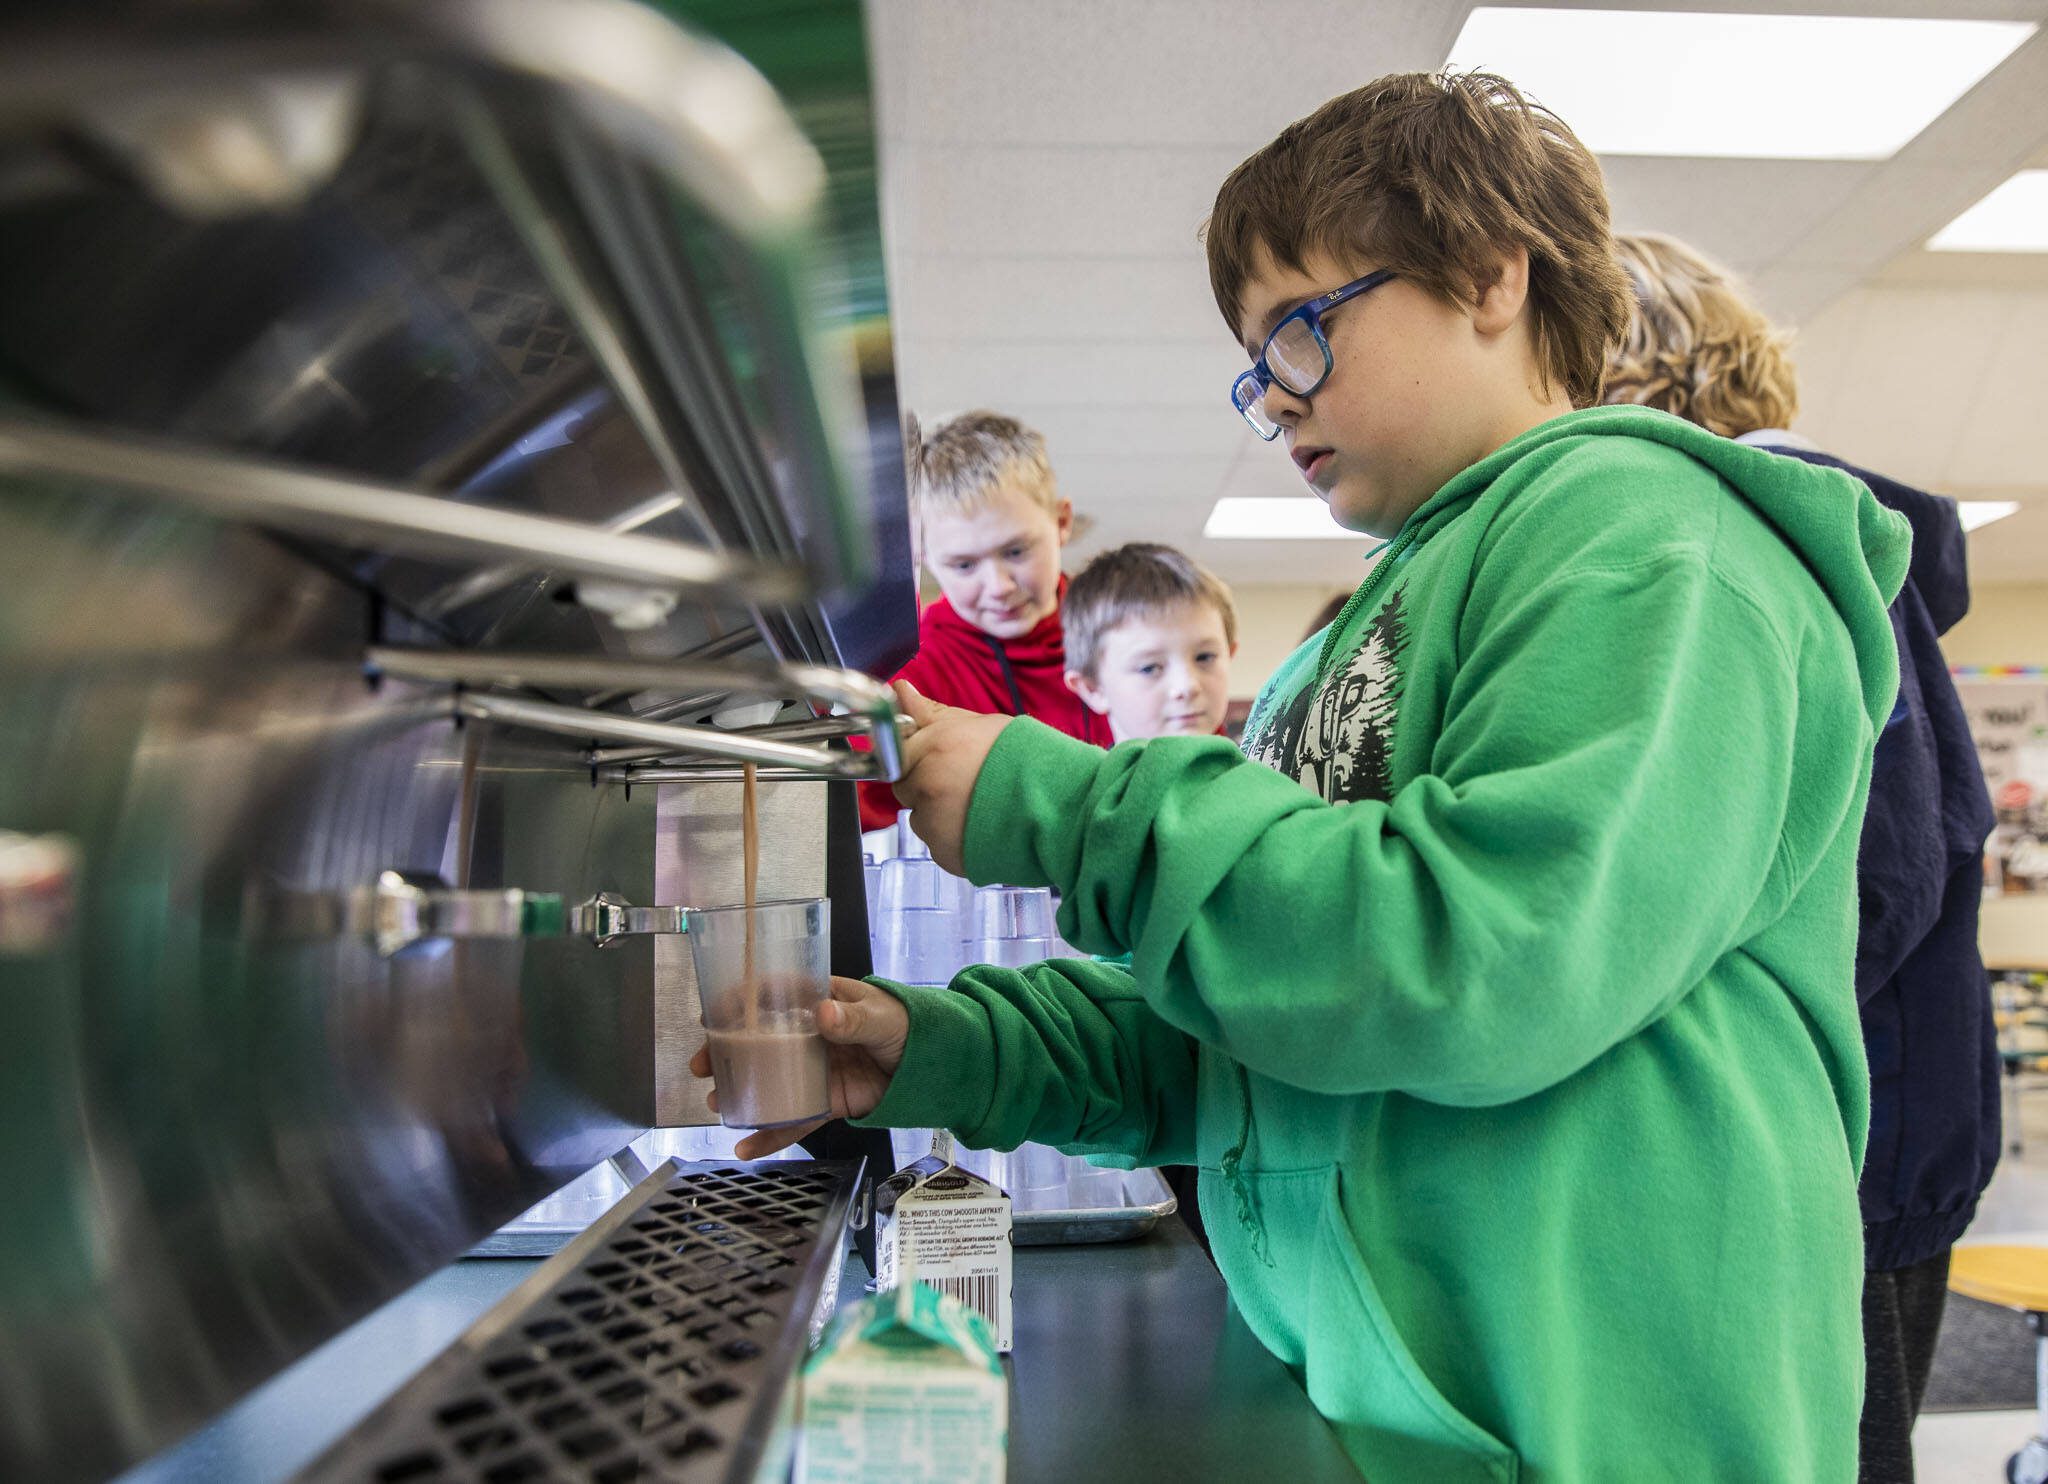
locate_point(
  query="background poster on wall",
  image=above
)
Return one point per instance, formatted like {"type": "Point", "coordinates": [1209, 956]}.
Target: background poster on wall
{"type": "Point", "coordinates": [2009, 720]}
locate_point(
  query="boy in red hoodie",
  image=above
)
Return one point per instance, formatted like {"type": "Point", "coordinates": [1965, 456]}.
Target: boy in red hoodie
{"type": "Point", "coordinates": [989, 524]}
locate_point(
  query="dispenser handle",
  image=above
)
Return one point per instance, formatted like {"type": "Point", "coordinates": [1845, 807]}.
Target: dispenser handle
{"type": "Point", "coordinates": [608, 917]}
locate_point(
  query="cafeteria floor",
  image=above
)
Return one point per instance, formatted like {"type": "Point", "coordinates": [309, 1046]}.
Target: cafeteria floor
{"type": "Point", "coordinates": [1971, 1447]}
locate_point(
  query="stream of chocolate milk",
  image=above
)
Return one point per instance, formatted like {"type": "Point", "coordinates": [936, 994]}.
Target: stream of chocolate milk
{"type": "Point", "coordinates": [750, 853]}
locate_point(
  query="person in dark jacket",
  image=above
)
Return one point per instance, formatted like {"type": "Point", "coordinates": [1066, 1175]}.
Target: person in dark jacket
{"type": "Point", "coordinates": [1699, 349]}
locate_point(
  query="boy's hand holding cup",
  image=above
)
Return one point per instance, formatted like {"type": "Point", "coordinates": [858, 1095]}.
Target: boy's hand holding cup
{"type": "Point", "coordinates": [865, 1028]}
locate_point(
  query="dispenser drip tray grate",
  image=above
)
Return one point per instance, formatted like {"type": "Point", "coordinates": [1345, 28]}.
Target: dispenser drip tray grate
{"type": "Point", "coordinates": [660, 1345]}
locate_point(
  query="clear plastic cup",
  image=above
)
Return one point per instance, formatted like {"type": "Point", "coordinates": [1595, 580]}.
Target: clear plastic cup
{"type": "Point", "coordinates": [1090, 1188]}
{"type": "Point", "coordinates": [1038, 1167]}
{"type": "Point", "coordinates": [918, 928]}
{"type": "Point", "coordinates": [771, 1065]}
{"type": "Point", "coordinates": [1012, 926]}
{"type": "Point", "coordinates": [1013, 912]}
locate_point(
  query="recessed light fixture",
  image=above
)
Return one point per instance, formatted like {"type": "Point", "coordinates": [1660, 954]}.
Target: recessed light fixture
{"type": "Point", "coordinates": [1795, 87]}
{"type": "Point", "coordinates": [2013, 218]}
{"type": "Point", "coordinates": [1296, 518]}
{"type": "Point", "coordinates": [1975, 513]}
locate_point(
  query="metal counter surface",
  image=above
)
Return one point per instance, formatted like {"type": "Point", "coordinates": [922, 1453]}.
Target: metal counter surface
{"type": "Point", "coordinates": [1131, 1363]}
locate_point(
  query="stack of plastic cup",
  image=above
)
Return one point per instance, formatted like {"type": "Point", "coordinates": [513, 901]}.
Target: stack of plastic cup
{"type": "Point", "coordinates": [1012, 926]}
{"type": "Point", "coordinates": [871, 880]}
{"type": "Point", "coordinates": [922, 915]}
{"type": "Point", "coordinates": [917, 926]}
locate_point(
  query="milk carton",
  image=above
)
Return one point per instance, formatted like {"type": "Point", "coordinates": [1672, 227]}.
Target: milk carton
{"type": "Point", "coordinates": [954, 1228]}
{"type": "Point", "coordinates": [906, 1388]}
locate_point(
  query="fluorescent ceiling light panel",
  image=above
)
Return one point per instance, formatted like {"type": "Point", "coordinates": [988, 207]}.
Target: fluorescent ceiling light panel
{"type": "Point", "coordinates": [1975, 513]}
{"type": "Point", "coordinates": [1792, 87]}
{"type": "Point", "coordinates": [1301, 518]}
{"type": "Point", "coordinates": [2013, 218]}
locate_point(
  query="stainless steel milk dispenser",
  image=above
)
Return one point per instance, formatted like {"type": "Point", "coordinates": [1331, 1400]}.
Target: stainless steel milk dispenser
{"type": "Point", "coordinates": [438, 444]}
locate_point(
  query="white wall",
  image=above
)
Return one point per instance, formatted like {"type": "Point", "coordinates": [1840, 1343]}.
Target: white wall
{"type": "Point", "coordinates": [1272, 619]}
{"type": "Point", "coordinates": [2007, 625]}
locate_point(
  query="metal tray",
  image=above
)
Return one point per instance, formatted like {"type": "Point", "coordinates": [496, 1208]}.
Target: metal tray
{"type": "Point", "coordinates": [1145, 1199]}
{"type": "Point", "coordinates": [1039, 1218]}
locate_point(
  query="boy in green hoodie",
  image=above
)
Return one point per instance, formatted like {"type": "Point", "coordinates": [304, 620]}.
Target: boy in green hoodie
{"type": "Point", "coordinates": [1503, 993]}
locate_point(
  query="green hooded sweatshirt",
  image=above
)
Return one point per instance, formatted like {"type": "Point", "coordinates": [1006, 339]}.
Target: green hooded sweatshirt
{"type": "Point", "coordinates": [1502, 994]}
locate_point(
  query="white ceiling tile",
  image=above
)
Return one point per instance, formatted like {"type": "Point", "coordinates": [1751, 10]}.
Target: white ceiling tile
{"type": "Point", "coordinates": [1335, 563]}
{"type": "Point", "coordinates": [2003, 429]}
{"type": "Point", "coordinates": [1974, 10]}
{"type": "Point", "coordinates": [1915, 364]}
{"type": "Point", "coordinates": [1893, 210]}
{"type": "Point", "coordinates": [1000, 297]}
{"type": "Point", "coordinates": [1141, 488]}
{"type": "Point", "coordinates": [2014, 549]}
{"type": "Point", "coordinates": [1825, 349]}
{"type": "Point", "coordinates": [957, 374]}
{"type": "Point", "coordinates": [1791, 295]}
{"type": "Point", "coordinates": [1107, 427]}
{"type": "Point", "coordinates": [1100, 201]}
{"type": "Point", "coordinates": [1265, 473]}
{"type": "Point", "coordinates": [1169, 72]}
{"type": "Point", "coordinates": [1747, 211]}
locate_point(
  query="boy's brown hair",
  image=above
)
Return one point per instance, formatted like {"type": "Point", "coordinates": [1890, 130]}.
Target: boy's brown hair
{"type": "Point", "coordinates": [1434, 175]}
{"type": "Point", "coordinates": [1141, 577]}
{"type": "Point", "coordinates": [966, 459]}
{"type": "Point", "coordinates": [1696, 346]}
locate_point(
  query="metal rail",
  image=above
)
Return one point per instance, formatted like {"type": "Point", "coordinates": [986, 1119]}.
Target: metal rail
{"type": "Point", "coordinates": [871, 706]}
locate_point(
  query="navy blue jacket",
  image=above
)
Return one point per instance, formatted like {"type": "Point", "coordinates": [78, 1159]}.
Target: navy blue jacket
{"type": "Point", "coordinates": [1926, 1001]}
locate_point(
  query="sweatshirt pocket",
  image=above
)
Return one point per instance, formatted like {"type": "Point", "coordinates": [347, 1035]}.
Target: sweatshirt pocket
{"type": "Point", "coordinates": [1391, 1418]}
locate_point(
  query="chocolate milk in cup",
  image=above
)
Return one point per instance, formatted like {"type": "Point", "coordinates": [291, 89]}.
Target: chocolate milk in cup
{"type": "Point", "coordinates": [759, 992]}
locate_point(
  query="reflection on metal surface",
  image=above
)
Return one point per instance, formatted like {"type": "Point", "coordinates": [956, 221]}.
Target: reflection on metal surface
{"type": "Point", "coordinates": [359, 514]}
{"type": "Point", "coordinates": [38, 891]}
{"type": "Point", "coordinates": [401, 909]}
{"type": "Point", "coordinates": [234, 147]}
{"type": "Point", "coordinates": [218, 1146]}
{"type": "Point", "coordinates": [698, 110]}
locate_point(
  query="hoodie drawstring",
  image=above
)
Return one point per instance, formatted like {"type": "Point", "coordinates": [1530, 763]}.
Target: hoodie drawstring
{"type": "Point", "coordinates": [1232, 1166]}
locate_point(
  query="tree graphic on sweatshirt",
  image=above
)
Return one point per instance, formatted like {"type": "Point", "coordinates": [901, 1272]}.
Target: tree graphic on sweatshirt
{"type": "Point", "coordinates": [1337, 739]}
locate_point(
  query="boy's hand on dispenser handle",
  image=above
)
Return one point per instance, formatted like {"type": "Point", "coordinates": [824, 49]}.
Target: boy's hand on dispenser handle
{"type": "Point", "coordinates": [942, 758]}
{"type": "Point", "coordinates": [866, 1027]}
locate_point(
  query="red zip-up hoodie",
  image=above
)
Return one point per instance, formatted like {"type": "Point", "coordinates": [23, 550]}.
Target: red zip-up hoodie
{"type": "Point", "coordinates": [958, 664]}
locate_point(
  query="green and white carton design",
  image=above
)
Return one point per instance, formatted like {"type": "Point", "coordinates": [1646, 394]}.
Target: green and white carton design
{"type": "Point", "coordinates": [955, 1227]}
{"type": "Point", "coordinates": [907, 1387]}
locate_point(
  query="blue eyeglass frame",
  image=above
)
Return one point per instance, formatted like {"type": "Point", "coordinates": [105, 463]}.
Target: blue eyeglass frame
{"type": "Point", "coordinates": [1311, 313]}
